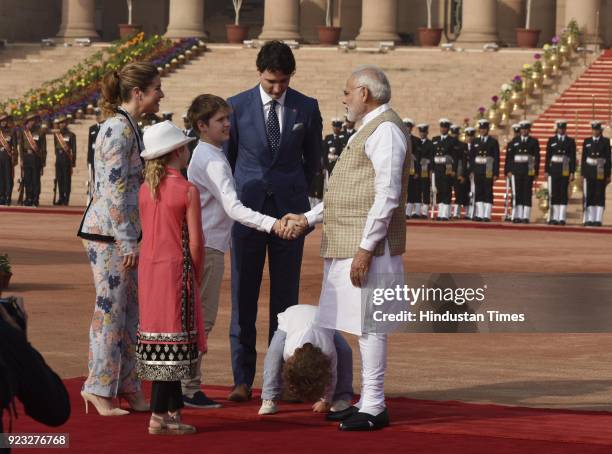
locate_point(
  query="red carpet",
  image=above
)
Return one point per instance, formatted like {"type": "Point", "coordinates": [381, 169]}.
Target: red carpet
{"type": "Point", "coordinates": [417, 426]}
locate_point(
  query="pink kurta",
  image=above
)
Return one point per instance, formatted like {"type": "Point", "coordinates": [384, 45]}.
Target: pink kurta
{"type": "Point", "coordinates": [170, 314]}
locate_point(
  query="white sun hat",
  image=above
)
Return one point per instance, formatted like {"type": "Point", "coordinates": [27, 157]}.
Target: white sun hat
{"type": "Point", "coordinates": [162, 138]}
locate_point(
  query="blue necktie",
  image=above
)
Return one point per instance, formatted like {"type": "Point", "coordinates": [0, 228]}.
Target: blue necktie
{"type": "Point", "coordinates": [273, 129]}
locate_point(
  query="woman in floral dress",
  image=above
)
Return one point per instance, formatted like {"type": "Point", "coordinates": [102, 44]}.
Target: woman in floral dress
{"type": "Point", "coordinates": [111, 229]}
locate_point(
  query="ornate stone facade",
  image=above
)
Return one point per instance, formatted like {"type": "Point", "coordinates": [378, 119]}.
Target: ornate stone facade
{"type": "Point", "coordinates": [366, 21]}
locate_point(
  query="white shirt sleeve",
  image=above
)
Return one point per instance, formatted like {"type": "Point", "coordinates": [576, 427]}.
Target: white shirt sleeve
{"type": "Point", "coordinates": [386, 148]}
{"type": "Point", "coordinates": [315, 215]}
{"type": "Point", "coordinates": [219, 181]}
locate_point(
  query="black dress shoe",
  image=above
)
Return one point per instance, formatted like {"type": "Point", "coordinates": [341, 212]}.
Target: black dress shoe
{"type": "Point", "coordinates": [588, 224]}
{"type": "Point", "coordinates": [561, 222]}
{"type": "Point", "coordinates": [554, 222]}
{"type": "Point", "coordinates": [477, 219]}
{"type": "Point", "coordinates": [342, 414]}
{"type": "Point", "coordinates": [525, 221]}
{"type": "Point", "coordinates": [365, 421]}
{"type": "Point", "coordinates": [516, 221]}
{"type": "Point", "coordinates": [596, 224]}
{"type": "Point", "coordinates": [486, 220]}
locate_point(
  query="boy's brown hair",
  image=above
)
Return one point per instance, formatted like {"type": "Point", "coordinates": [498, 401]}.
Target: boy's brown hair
{"type": "Point", "coordinates": [204, 107]}
{"type": "Point", "coordinates": [307, 373]}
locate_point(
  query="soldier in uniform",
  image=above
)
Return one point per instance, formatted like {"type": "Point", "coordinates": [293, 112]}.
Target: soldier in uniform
{"type": "Point", "coordinates": [560, 166]}
{"type": "Point", "coordinates": [596, 174]}
{"type": "Point", "coordinates": [91, 149]}
{"type": "Point", "coordinates": [65, 159]}
{"type": "Point", "coordinates": [333, 144]}
{"type": "Point", "coordinates": [461, 183]}
{"type": "Point", "coordinates": [522, 167]}
{"type": "Point", "coordinates": [484, 167]}
{"type": "Point", "coordinates": [424, 151]}
{"type": "Point", "coordinates": [444, 169]}
{"type": "Point", "coordinates": [348, 128]}
{"type": "Point", "coordinates": [33, 151]}
{"type": "Point", "coordinates": [413, 205]}
{"type": "Point", "coordinates": [9, 156]}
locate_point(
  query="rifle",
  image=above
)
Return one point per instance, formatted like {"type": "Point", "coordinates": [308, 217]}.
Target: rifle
{"type": "Point", "coordinates": [507, 201]}
{"type": "Point", "coordinates": [21, 188]}
{"type": "Point", "coordinates": [55, 191]}
{"type": "Point", "coordinates": [434, 193]}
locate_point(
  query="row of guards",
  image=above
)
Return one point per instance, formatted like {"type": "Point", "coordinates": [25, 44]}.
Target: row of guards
{"type": "Point", "coordinates": [452, 178]}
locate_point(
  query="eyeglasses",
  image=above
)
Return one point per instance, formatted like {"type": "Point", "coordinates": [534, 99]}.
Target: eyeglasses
{"type": "Point", "coordinates": [346, 93]}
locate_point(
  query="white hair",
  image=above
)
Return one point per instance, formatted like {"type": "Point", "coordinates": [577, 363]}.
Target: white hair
{"type": "Point", "coordinates": [375, 80]}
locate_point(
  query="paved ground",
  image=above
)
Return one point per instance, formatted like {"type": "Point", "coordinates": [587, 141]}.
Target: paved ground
{"type": "Point", "coordinates": [559, 371]}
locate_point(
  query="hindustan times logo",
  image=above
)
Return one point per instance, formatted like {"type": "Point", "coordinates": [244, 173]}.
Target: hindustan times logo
{"type": "Point", "coordinates": [414, 295]}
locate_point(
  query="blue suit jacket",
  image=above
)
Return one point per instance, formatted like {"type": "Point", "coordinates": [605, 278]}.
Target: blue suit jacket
{"type": "Point", "coordinates": [288, 175]}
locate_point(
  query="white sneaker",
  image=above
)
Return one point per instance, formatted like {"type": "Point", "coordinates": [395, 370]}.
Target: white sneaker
{"type": "Point", "coordinates": [340, 405]}
{"type": "Point", "coordinates": [268, 407]}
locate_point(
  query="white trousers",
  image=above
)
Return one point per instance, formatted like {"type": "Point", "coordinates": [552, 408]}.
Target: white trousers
{"type": "Point", "coordinates": [373, 348]}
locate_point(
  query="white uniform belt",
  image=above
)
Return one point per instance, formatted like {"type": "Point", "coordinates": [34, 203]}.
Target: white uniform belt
{"type": "Point", "coordinates": [557, 158]}
{"type": "Point", "coordinates": [440, 159]}
{"type": "Point", "coordinates": [481, 159]}
{"type": "Point", "coordinates": [591, 161]}
{"type": "Point", "coordinates": [521, 158]}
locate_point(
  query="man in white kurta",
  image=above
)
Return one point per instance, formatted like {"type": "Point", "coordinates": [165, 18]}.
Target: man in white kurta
{"type": "Point", "coordinates": [341, 299]}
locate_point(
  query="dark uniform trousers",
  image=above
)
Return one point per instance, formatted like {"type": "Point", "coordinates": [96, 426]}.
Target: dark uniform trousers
{"type": "Point", "coordinates": [63, 167]}
{"type": "Point", "coordinates": [559, 183]}
{"type": "Point", "coordinates": [32, 166]}
{"type": "Point", "coordinates": [462, 189]}
{"type": "Point", "coordinates": [6, 176]}
{"type": "Point", "coordinates": [483, 183]}
{"type": "Point", "coordinates": [592, 153]}
{"type": "Point", "coordinates": [444, 178]}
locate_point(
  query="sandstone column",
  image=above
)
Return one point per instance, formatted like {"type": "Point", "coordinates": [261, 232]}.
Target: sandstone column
{"type": "Point", "coordinates": [186, 19]}
{"type": "Point", "coordinates": [78, 19]}
{"type": "Point", "coordinates": [378, 22]}
{"type": "Point", "coordinates": [479, 22]}
{"type": "Point", "coordinates": [281, 20]}
{"type": "Point", "coordinates": [586, 13]}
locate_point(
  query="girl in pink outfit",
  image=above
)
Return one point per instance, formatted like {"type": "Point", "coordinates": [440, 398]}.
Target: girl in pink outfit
{"type": "Point", "coordinates": [171, 255]}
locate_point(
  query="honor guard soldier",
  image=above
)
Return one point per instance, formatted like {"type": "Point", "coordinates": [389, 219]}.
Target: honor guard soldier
{"type": "Point", "coordinates": [91, 150]}
{"type": "Point", "coordinates": [596, 174]}
{"type": "Point", "coordinates": [522, 167]}
{"type": "Point", "coordinates": [9, 157]}
{"type": "Point", "coordinates": [424, 151]}
{"type": "Point", "coordinates": [444, 169]}
{"type": "Point", "coordinates": [484, 167]}
{"type": "Point", "coordinates": [33, 151]}
{"type": "Point", "coordinates": [333, 144]}
{"type": "Point", "coordinates": [413, 201]}
{"type": "Point", "coordinates": [65, 160]}
{"type": "Point", "coordinates": [560, 167]}
{"type": "Point", "coordinates": [461, 183]}
{"type": "Point", "coordinates": [348, 128]}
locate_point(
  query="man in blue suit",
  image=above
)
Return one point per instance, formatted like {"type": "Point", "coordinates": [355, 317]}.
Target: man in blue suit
{"type": "Point", "coordinates": [274, 150]}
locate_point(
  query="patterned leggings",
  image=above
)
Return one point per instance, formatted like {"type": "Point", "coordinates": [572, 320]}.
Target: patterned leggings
{"type": "Point", "coordinates": [112, 335]}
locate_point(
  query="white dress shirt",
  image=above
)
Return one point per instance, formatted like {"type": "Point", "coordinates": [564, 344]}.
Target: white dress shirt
{"type": "Point", "coordinates": [386, 148]}
{"type": "Point", "coordinates": [266, 99]}
{"type": "Point", "coordinates": [340, 301]}
{"type": "Point", "coordinates": [211, 173]}
{"type": "Point", "coordinates": [298, 322]}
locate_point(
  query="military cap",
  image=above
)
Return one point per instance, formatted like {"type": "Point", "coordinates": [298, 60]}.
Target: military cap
{"type": "Point", "coordinates": [4, 116]}
{"type": "Point", "coordinates": [60, 119]}
{"type": "Point", "coordinates": [561, 124]}
{"type": "Point", "coordinates": [423, 127]}
{"type": "Point", "coordinates": [408, 121]}
{"type": "Point", "coordinates": [483, 123]}
{"type": "Point", "coordinates": [445, 122]}
{"type": "Point", "coordinates": [516, 127]}
{"type": "Point", "coordinates": [525, 124]}
{"type": "Point", "coordinates": [32, 116]}
{"type": "Point", "coordinates": [336, 122]}
{"type": "Point", "coordinates": [455, 128]}
{"type": "Point", "coordinates": [596, 124]}
{"type": "Point", "coordinates": [470, 131]}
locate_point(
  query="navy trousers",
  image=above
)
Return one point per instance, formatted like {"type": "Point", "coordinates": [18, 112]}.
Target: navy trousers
{"type": "Point", "coordinates": [248, 259]}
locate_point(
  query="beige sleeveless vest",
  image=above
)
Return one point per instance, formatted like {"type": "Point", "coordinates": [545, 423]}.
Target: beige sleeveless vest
{"type": "Point", "coordinates": [350, 195]}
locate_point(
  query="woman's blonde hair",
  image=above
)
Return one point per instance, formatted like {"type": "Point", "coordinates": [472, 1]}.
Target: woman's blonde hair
{"type": "Point", "coordinates": [154, 173]}
{"type": "Point", "coordinates": [117, 86]}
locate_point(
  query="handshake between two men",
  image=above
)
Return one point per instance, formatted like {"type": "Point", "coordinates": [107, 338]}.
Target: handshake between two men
{"type": "Point", "coordinates": [290, 226]}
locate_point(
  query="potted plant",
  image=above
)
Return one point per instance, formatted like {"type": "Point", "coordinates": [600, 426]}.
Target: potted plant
{"type": "Point", "coordinates": [527, 37]}
{"type": "Point", "coordinates": [129, 29]}
{"type": "Point", "coordinates": [328, 34]}
{"type": "Point", "coordinates": [236, 33]}
{"type": "Point", "coordinates": [429, 36]}
{"type": "Point", "coordinates": [5, 271]}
